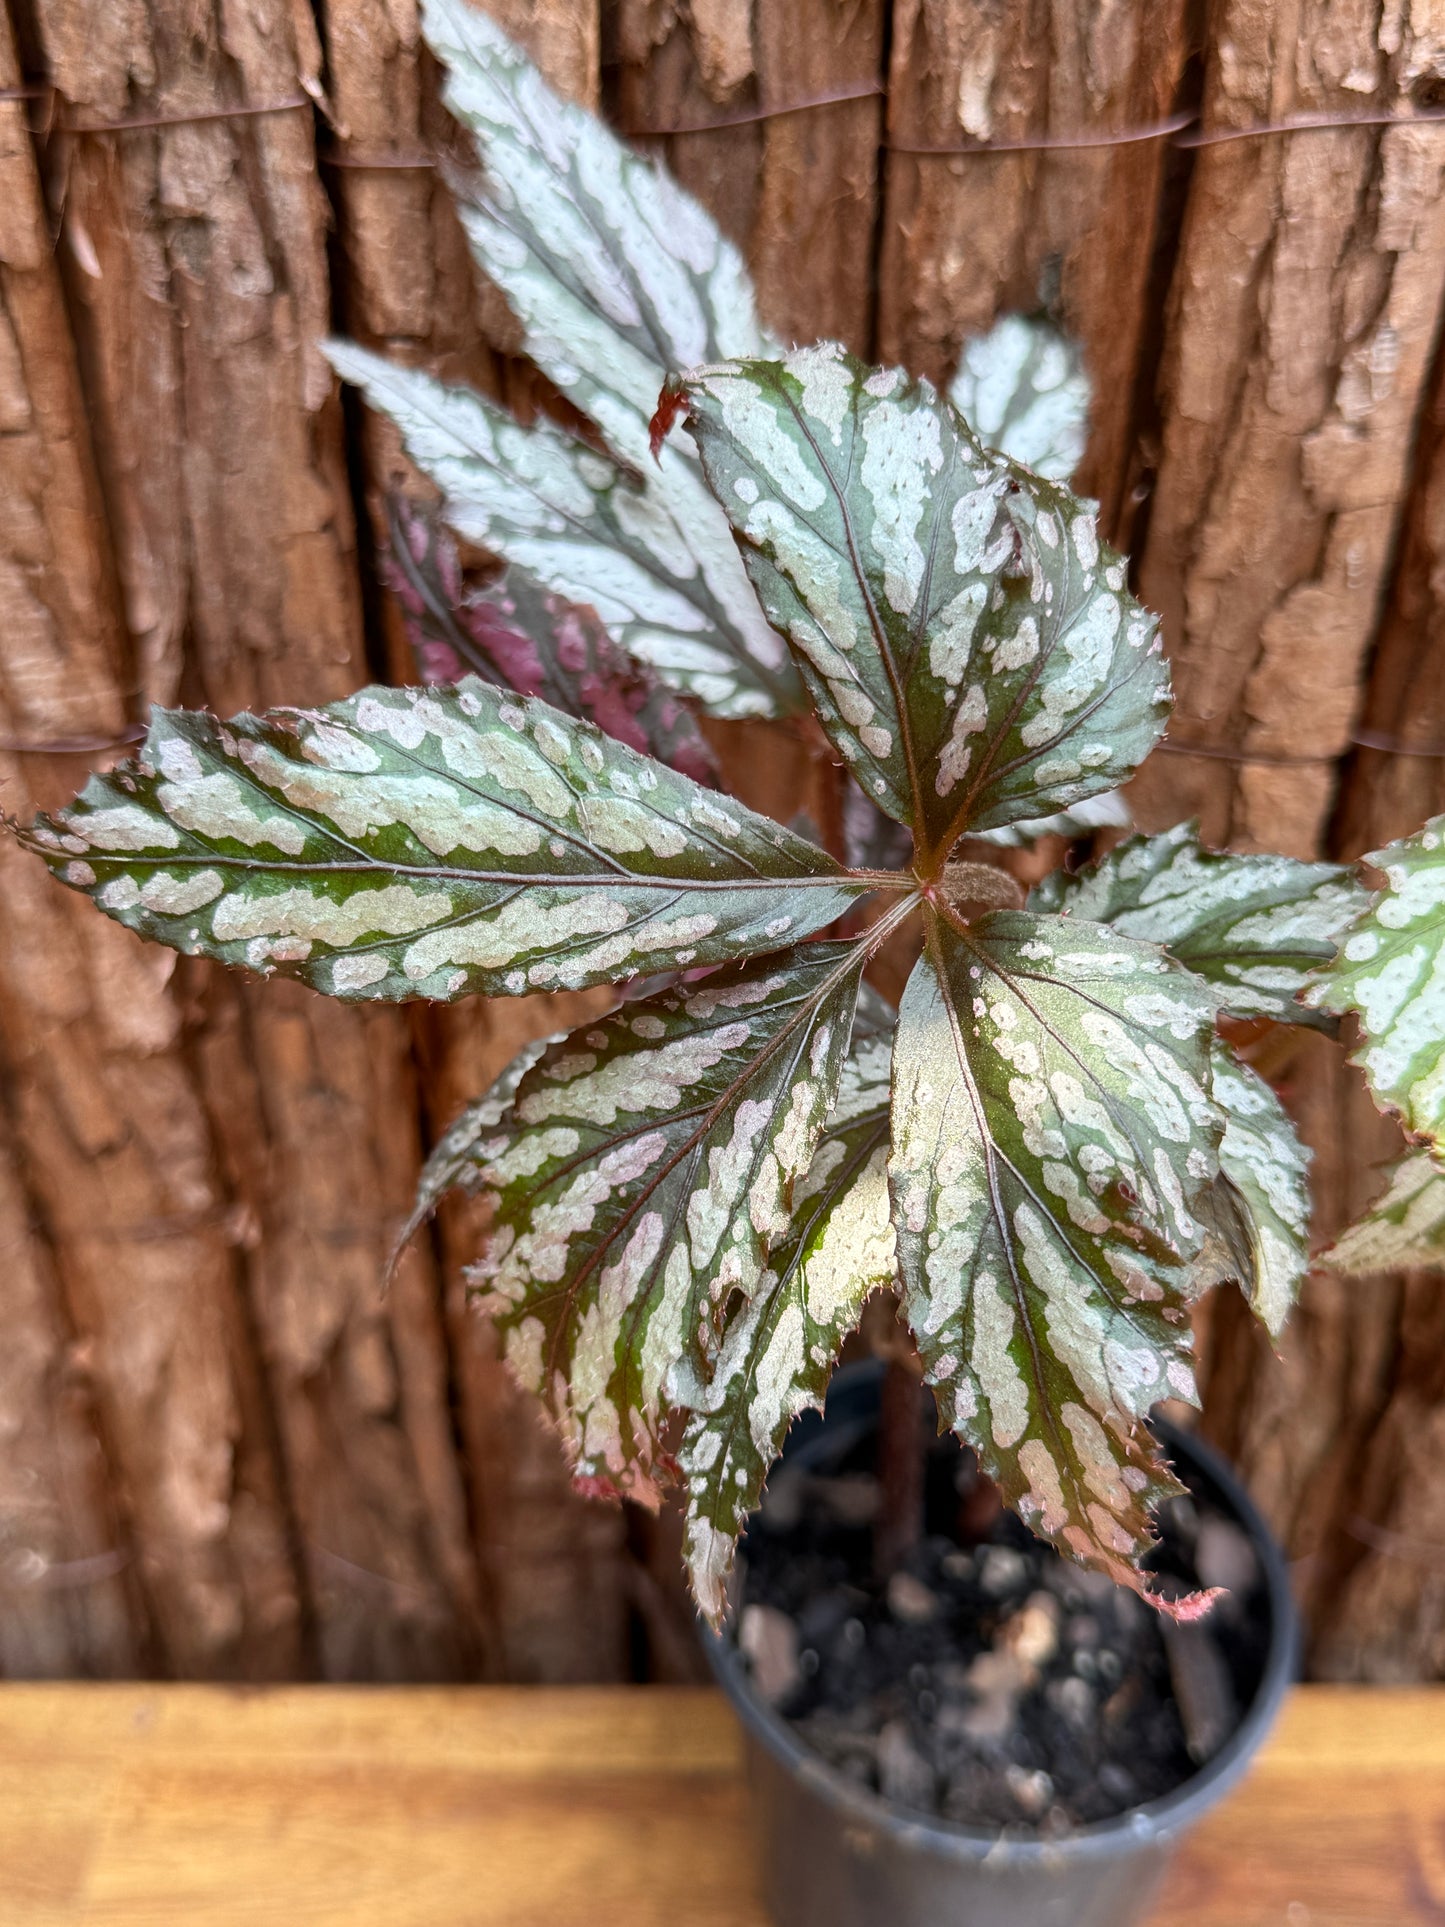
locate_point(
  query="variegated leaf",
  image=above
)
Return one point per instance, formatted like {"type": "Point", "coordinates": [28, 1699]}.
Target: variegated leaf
{"type": "Point", "coordinates": [1391, 972]}
{"type": "Point", "coordinates": [1403, 1230]}
{"type": "Point", "coordinates": [1259, 1211]}
{"type": "Point", "coordinates": [1107, 812]}
{"type": "Point", "coordinates": [967, 640]}
{"type": "Point", "coordinates": [871, 840]}
{"type": "Point", "coordinates": [517, 634]}
{"type": "Point", "coordinates": [617, 276]}
{"type": "Point", "coordinates": [658, 566]}
{"type": "Point", "coordinates": [1255, 927]}
{"type": "Point", "coordinates": [427, 843]}
{"type": "Point", "coordinates": [779, 1349]}
{"type": "Point", "coordinates": [639, 1176]}
{"type": "Point", "coordinates": [1022, 389]}
{"type": "Point", "coordinates": [616, 273]}
{"type": "Point", "coordinates": [1051, 1134]}
{"type": "Point", "coordinates": [453, 1164]}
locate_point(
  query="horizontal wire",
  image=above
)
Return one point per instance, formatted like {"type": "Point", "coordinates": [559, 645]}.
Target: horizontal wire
{"type": "Point", "coordinates": [1309, 124]}
{"type": "Point", "coordinates": [1048, 143]}
{"type": "Point", "coordinates": [1361, 739]}
{"type": "Point", "coordinates": [292, 104]}
{"type": "Point", "coordinates": [748, 117]}
{"type": "Point", "coordinates": [71, 746]}
{"type": "Point", "coordinates": [1184, 129]}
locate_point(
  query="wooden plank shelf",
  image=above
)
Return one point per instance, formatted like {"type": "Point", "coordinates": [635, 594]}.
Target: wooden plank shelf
{"type": "Point", "coordinates": [152, 1806]}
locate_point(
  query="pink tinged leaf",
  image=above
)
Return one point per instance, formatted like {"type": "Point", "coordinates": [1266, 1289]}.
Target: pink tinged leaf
{"type": "Point", "coordinates": [608, 706]}
{"type": "Point", "coordinates": [513, 653]}
{"type": "Point", "coordinates": [1184, 1611]}
{"type": "Point", "coordinates": [438, 661]}
{"type": "Point", "coordinates": [591, 1485]}
{"type": "Point", "coordinates": [519, 635]}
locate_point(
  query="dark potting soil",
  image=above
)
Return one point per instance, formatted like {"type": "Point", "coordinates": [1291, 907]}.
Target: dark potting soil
{"type": "Point", "coordinates": [989, 1680]}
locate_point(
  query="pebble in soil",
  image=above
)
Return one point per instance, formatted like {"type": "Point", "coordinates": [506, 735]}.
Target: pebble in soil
{"type": "Point", "coordinates": [988, 1680]}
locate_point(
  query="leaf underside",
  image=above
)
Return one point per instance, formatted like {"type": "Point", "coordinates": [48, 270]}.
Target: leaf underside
{"type": "Point", "coordinates": [1051, 1129]}
{"type": "Point", "coordinates": [1404, 1229]}
{"type": "Point", "coordinates": [517, 634]}
{"type": "Point", "coordinates": [638, 1178]}
{"type": "Point", "coordinates": [432, 843]}
{"type": "Point", "coordinates": [1390, 972]}
{"type": "Point", "coordinates": [1022, 389]}
{"type": "Point", "coordinates": [660, 571]}
{"type": "Point", "coordinates": [968, 642]}
{"type": "Point", "coordinates": [1255, 927]}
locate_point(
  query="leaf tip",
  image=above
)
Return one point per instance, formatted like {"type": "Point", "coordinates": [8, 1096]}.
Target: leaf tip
{"type": "Point", "coordinates": [1187, 1608]}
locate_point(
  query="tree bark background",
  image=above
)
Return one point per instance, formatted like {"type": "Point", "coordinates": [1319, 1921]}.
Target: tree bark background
{"type": "Point", "coordinates": [222, 1453]}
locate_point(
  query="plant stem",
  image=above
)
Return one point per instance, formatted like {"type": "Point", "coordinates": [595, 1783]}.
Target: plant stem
{"type": "Point", "coordinates": [900, 1467]}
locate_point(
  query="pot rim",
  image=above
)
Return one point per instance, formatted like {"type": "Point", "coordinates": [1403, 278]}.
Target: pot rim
{"type": "Point", "coordinates": [1155, 1820]}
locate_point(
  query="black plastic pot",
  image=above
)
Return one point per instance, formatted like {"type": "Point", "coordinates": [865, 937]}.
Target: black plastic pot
{"type": "Point", "coordinates": [834, 1855]}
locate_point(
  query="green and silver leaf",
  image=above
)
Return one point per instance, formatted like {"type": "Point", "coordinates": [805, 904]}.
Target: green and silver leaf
{"type": "Point", "coordinates": [1052, 1131]}
{"type": "Point", "coordinates": [1391, 972]}
{"type": "Point", "coordinates": [1403, 1230]}
{"type": "Point", "coordinates": [1259, 1208]}
{"type": "Point", "coordinates": [432, 843]}
{"type": "Point", "coordinates": [1107, 812]}
{"type": "Point", "coordinates": [617, 276]}
{"type": "Point", "coordinates": [1023, 390]}
{"type": "Point", "coordinates": [639, 1177]}
{"type": "Point", "coordinates": [779, 1349]}
{"type": "Point", "coordinates": [453, 1163]}
{"type": "Point", "coordinates": [615, 272]}
{"type": "Point", "coordinates": [1255, 927]}
{"type": "Point", "coordinates": [657, 565]}
{"type": "Point", "coordinates": [968, 641]}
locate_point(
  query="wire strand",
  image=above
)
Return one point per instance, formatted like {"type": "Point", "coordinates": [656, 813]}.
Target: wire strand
{"type": "Point", "coordinates": [293, 104]}
{"type": "Point", "coordinates": [1184, 128]}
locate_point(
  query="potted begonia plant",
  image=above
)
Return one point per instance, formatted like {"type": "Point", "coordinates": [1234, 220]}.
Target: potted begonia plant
{"type": "Point", "coordinates": [1048, 1152]}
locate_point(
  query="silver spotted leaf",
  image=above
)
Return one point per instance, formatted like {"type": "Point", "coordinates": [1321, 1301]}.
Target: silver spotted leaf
{"type": "Point", "coordinates": [1259, 1207]}
{"type": "Point", "coordinates": [1023, 390]}
{"type": "Point", "coordinates": [1390, 972]}
{"type": "Point", "coordinates": [431, 843]}
{"type": "Point", "coordinates": [519, 635]}
{"type": "Point", "coordinates": [452, 1164]}
{"type": "Point", "coordinates": [616, 273]}
{"type": "Point", "coordinates": [642, 1171]}
{"type": "Point", "coordinates": [1255, 927]}
{"type": "Point", "coordinates": [779, 1349]}
{"type": "Point", "coordinates": [617, 276]}
{"type": "Point", "coordinates": [968, 642]}
{"type": "Point", "coordinates": [1403, 1230]}
{"type": "Point", "coordinates": [661, 572]}
{"type": "Point", "coordinates": [1052, 1130]}
{"type": "Point", "coordinates": [1107, 812]}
